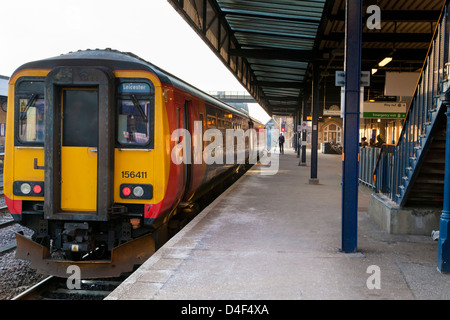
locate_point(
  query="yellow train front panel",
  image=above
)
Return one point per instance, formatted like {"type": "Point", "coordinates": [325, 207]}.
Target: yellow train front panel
{"type": "Point", "coordinates": [24, 162]}
{"type": "Point", "coordinates": [137, 166]}
{"type": "Point", "coordinates": [132, 165]}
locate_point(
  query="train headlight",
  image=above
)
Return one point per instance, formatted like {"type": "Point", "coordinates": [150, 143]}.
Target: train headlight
{"type": "Point", "coordinates": [28, 188]}
{"type": "Point", "coordinates": [138, 191]}
{"type": "Point", "coordinates": [25, 188]}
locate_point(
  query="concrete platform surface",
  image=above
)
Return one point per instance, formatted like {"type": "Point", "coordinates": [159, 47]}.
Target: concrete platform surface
{"type": "Point", "coordinates": [278, 237]}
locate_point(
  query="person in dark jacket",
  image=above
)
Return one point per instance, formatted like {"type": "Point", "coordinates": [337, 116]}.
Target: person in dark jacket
{"type": "Point", "coordinates": [281, 143]}
{"type": "Point", "coordinates": [363, 142]}
{"type": "Point", "coordinates": [380, 141]}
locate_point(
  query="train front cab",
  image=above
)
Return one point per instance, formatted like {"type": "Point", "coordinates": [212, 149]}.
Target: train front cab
{"type": "Point", "coordinates": [84, 167]}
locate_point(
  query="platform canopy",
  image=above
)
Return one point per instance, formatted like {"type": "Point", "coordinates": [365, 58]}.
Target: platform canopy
{"type": "Point", "coordinates": [271, 45]}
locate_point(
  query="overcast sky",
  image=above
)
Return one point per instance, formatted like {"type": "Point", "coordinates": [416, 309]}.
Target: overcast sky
{"type": "Point", "coordinates": [152, 29]}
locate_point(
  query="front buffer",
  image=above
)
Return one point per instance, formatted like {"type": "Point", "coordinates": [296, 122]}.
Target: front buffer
{"type": "Point", "coordinates": [123, 258]}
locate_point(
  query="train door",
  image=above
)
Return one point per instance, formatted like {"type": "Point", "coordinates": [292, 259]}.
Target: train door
{"type": "Point", "coordinates": [79, 143]}
{"type": "Point", "coordinates": [182, 118]}
{"type": "Point", "coordinates": [188, 146]}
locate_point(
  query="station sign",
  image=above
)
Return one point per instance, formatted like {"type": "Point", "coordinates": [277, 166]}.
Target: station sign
{"type": "Point", "coordinates": [384, 110]}
{"type": "Point", "coordinates": [340, 79]}
{"type": "Point", "coordinates": [333, 110]}
{"type": "Point", "coordinates": [305, 125]}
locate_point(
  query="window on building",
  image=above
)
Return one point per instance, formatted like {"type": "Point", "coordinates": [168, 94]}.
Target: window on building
{"type": "Point", "coordinates": [332, 133]}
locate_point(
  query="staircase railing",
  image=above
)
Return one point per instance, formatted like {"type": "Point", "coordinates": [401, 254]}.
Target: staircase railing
{"type": "Point", "coordinates": [396, 165]}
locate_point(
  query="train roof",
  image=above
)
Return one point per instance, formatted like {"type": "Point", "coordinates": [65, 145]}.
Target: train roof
{"type": "Point", "coordinates": [257, 121]}
{"type": "Point", "coordinates": [117, 60]}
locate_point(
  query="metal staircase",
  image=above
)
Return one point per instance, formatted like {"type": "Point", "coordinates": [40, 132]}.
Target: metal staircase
{"type": "Point", "coordinates": [411, 173]}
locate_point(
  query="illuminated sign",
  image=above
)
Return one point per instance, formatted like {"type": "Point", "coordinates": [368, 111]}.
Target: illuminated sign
{"type": "Point", "coordinates": [134, 88]}
{"type": "Point", "coordinates": [384, 110]}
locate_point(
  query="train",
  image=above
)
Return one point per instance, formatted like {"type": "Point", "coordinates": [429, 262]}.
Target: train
{"type": "Point", "coordinates": [102, 158]}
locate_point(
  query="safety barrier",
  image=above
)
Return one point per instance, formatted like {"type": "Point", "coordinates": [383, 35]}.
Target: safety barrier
{"type": "Point", "coordinates": [367, 162]}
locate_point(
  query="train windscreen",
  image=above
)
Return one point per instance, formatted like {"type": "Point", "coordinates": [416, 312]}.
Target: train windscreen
{"type": "Point", "coordinates": [30, 111]}
{"type": "Point", "coordinates": [135, 115]}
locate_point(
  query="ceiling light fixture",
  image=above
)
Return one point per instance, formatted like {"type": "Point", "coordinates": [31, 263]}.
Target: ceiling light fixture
{"type": "Point", "coordinates": [385, 61]}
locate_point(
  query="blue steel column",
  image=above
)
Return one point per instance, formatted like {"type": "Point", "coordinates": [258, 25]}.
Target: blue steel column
{"type": "Point", "coordinates": [444, 224]}
{"type": "Point", "coordinates": [315, 125]}
{"type": "Point", "coordinates": [353, 35]}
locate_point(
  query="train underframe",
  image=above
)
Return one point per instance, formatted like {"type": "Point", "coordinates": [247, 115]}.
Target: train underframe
{"type": "Point", "coordinates": [100, 249]}
{"type": "Point", "coordinates": [104, 249]}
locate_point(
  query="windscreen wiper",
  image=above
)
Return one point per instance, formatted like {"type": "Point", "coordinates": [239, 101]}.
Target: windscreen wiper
{"type": "Point", "coordinates": [139, 107]}
{"type": "Point", "coordinates": [29, 104]}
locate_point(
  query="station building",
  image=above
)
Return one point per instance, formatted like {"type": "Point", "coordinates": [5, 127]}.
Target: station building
{"type": "Point", "coordinates": [382, 113]}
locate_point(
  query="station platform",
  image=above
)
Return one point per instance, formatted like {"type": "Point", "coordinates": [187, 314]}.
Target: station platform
{"type": "Point", "coordinates": [277, 237]}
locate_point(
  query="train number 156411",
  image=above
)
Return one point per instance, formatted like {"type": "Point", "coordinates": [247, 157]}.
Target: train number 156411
{"type": "Point", "coordinates": [134, 174]}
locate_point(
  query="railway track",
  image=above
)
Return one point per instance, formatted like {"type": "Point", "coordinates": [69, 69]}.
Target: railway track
{"type": "Point", "coordinates": [2, 199]}
{"type": "Point", "coordinates": [53, 288]}
{"type": "Point", "coordinates": [5, 221]}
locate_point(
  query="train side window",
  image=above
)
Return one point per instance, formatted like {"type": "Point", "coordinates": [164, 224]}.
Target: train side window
{"type": "Point", "coordinates": [220, 123]}
{"type": "Point", "coordinates": [211, 121]}
{"type": "Point", "coordinates": [30, 111]}
{"type": "Point", "coordinates": [135, 119]}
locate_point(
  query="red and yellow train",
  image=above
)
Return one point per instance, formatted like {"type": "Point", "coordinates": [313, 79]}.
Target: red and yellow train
{"type": "Point", "coordinates": [88, 158]}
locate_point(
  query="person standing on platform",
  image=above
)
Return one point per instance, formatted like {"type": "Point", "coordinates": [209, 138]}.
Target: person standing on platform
{"type": "Point", "coordinates": [363, 142]}
{"type": "Point", "coordinates": [380, 141]}
{"type": "Point", "coordinates": [281, 143]}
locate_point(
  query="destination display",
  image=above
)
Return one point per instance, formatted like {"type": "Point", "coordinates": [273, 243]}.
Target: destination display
{"type": "Point", "coordinates": [134, 88]}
